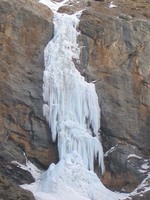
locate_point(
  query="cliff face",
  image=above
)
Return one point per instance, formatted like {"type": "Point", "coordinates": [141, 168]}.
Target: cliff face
{"type": "Point", "coordinates": [116, 57]}
{"type": "Point", "coordinates": [115, 54]}
{"type": "Point", "coordinates": [25, 29]}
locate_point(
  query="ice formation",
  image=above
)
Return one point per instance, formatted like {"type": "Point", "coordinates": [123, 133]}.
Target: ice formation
{"type": "Point", "coordinates": [72, 111]}
{"type": "Point", "coordinates": [71, 104]}
{"type": "Point", "coordinates": [70, 179]}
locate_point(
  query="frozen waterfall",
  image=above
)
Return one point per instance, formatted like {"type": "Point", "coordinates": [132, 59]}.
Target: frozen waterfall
{"type": "Point", "coordinates": [71, 104]}
{"type": "Point", "coordinates": [72, 111]}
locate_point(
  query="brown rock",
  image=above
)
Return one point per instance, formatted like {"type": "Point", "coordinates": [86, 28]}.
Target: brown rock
{"type": "Point", "coordinates": [115, 56]}
{"type": "Point", "coordinates": [26, 27]}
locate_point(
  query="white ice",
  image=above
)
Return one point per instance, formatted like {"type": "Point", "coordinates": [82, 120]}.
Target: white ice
{"type": "Point", "coordinates": [71, 104]}
{"type": "Point", "coordinates": [35, 172]}
{"type": "Point", "coordinates": [145, 166]}
{"type": "Point", "coordinates": [53, 4]}
{"type": "Point", "coordinates": [112, 5]}
{"type": "Point", "coordinates": [72, 111]}
{"type": "Point", "coordinates": [70, 179]}
{"type": "Point", "coordinates": [110, 150]}
{"type": "Point", "coordinates": [133, 156]}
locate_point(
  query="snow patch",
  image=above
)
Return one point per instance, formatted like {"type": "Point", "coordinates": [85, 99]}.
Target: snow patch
{"type": "Point", "coordinates": [110, 150]}
{"type": "Point", "coordinates": [34, 171]}
{"type": "Point", "coordinates": [145, 166]}
{"type": "Point", "coordinates": [134, 156]}
{"type": "Point", "coordinates": [70, 179]}
{"type": "Point", "coordinates": [111, 5]}
{"type": "Point", "coordinates": [142, 188]}
{"type": "Point", "coordinates": [53, 5]}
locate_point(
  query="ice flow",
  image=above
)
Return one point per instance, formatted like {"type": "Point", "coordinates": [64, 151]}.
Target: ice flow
{"type": "Point", "coordinates": [71, 104]}
{"type": "Point", "coordinates": [72, 111]}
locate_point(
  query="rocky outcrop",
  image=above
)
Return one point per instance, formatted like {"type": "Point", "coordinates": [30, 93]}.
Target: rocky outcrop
{"type": "Point", "coordinates": [115, 56]}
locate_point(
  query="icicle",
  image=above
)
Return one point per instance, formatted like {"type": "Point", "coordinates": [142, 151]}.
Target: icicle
{"type": "Point", "coordinates": [71, 104]}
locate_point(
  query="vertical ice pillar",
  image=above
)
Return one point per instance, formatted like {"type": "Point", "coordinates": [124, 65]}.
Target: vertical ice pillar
{"type": "Point", "coordinates": [71, 104]}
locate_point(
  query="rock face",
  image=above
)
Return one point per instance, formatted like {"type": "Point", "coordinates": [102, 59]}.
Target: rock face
{"type": "Point", "coordinates": [116, 56]}
{"type": "Point", "coordinates": [25, 29]}
{"type": "Point", "coordinates": [10, 191]}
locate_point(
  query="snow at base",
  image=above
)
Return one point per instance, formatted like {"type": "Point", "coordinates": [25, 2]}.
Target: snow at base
{"type": "Point", "coordinates": [58, 182]}
{"type": "Point", "coordinates": [70, 179]}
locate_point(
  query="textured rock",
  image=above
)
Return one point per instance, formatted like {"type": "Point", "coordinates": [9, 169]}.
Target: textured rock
{"type": "Point", "coordinates": [26, 27]}
{"type": "Point", "coordinates": [142, 192]}
{"type": "Point", "coordinates": [16, 174]}
{"type": "Point", "coordinates": [115, 52]}
{"type": "Point", "coordinates": [115, 55]}
{"type": "Point", "coordinates": [9, 191]}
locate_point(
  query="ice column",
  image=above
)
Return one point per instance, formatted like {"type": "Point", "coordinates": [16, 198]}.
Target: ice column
{"type": "Point", "coordinates": [71, 104]}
